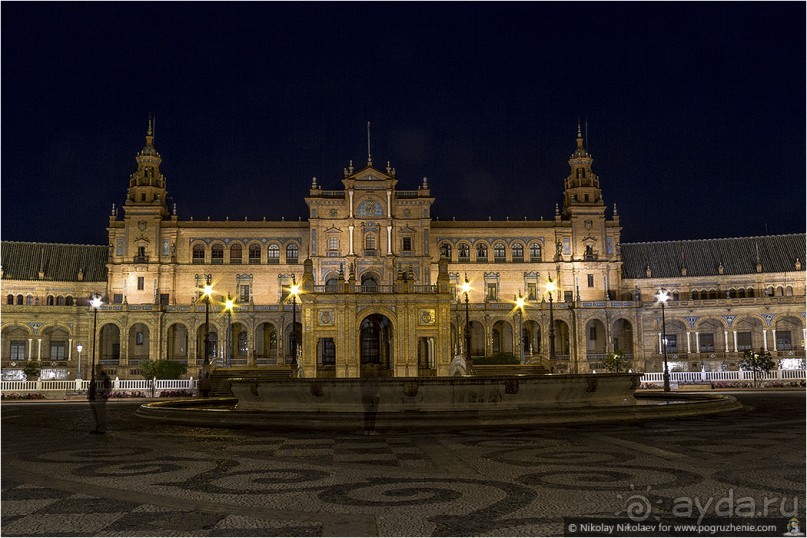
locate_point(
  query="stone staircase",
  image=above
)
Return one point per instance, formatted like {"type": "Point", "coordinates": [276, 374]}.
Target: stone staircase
{"type": "Point", "coordinates": [507, 369]}
{"type": "Point", "coordinates": [219, 377]}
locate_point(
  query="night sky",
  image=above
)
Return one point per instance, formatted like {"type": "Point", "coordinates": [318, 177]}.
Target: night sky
{"type": "Point", "coordinates": [695, 112]}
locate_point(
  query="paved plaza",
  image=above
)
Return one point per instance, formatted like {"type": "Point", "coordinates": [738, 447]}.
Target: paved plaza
{"type": "Point", "coordinates": [149, 479]}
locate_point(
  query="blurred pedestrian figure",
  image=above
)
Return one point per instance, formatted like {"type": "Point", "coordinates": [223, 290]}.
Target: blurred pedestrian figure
{"type": "Point", "coordinates": [98, 394]}
{"type": "Point", "coordinates": [370, 397]}
{"type": "Point", "coordinates": [204, 383]}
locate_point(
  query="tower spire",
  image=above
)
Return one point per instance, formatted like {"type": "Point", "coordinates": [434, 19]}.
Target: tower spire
{"type": "Point", "coordinates": [150, 131]}
{"type": "Point", "coordinates": [369, 155]}
{"type": "Point", "coordinates": [579, 135]}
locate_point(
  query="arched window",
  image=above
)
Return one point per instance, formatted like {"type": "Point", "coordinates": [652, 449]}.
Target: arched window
{"type": "Point", "coordinates": [69, 300]}
{"type": "Point", "coordinates": [10, 299]}
{"type": "Point", "coordinates": [273, 254]}
{"type": "Point", "coordinates": [769, 291]}
{"type": "Point", "coordinates": [780, 291]}
{"type": "Point", "coordinates": [198, 254]}
{"type": "Point", "coordinates": [518, 252]}
{"type": "Point", "coordinates": [464, 252]}
{"type": "Point", "coordinates": [254, 254]}
{"type": "Point", "coordinates": [498, 252]}
{"type": "Point", "coordinates": [789, 291]}
{"type": "Point", "coordinates": [333, 246]}
{"type": "Point", "coordinates": [445, 250]}
{"type": "Point", "coordinates": [49, 300]}
{"type": "Point", "coordinates": [29, 300]}
{"type": "Point", "coordinates": [217, 254]}
{"type": "Point", "coordinates": [242, 343]}
{"type": "Point", "coordinates": [481, 252]}
{"type": "Point", "coordinates": [535, 252]}
{"type": "Point", "coordinates": [332, 285]}
{"type": "Point", "coordinates": [235, 254]}
{"type": "Point", "coordinates": [292, 253]}
{"type": "Point", "coordinates": [19, 299]}
{"type": "Point", "coordinates": [750, 292]}
{"type": "Point", "coordinates": [59, 301]}
{"type": "Point", "coordinates": [369, 241]}
{"type": "Point", "coordinates": [741, 293]}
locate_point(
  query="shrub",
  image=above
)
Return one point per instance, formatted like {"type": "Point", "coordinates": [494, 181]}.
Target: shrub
{"type": "Point", "coordinates": [31, 370]}
{"type": "Point", "coordinates": [23, 396]}
{"type": "Point", "coordinates": [127, 394]}
{"type": "Point", "coordinates": [180, 393]}
{"type": "Point", "coordinates": [162, 369]}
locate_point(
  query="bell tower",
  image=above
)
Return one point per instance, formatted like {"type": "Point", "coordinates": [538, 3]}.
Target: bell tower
{"type": "Point", "coordinates": [582, 186]}
{"type": "Point", "coordinates": [147, 191]}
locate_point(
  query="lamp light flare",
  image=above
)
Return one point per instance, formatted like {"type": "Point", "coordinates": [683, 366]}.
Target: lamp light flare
{"type": "Point", "coordinates": [663, 296]}
{"type": "Point", "coordinates": [96, 301]}
{"type": "Point", "coordinates": [228, 304]}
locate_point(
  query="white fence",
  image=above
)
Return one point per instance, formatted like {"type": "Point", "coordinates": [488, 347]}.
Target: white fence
{"type": "Point", "coordinates": [733, 375]}
{"type": "Point", "coordinates": [83, 384]}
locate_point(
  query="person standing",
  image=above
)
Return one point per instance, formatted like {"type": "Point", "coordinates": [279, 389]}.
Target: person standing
{"type": "Point", "coordinates": [98, 394]}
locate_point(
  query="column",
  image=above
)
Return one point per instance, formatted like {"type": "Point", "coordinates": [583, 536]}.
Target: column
{"type": "Point", "coordinates": [69, 349]}
{"type": "Point", "coordinates": [39, 349]}
{"type": "Point", "coordinates": [726, 340]}
{"type": "Point", "coordinates": [660, 343]}
{"type": "Point", "coordinates": [735, 341]}
{"type": "Point", "coordinates": [389, 239]}
{"type": "Point", "coordinates": [773, 337]}
{"type": "Point", "coordinates": [765, 339]}
{"type": "Point", "coordinates": [30, 348]}
{"type": "Point", "coordinates": [350, 204]}
{"type": "Point", "coordinates": [689, 346]}
{"type": "Point", "coordinates": [697, 342]}
{"type": "Point", "coordinates": [389, 204]}
{"type": "Point", "coordinates": [350, 242]}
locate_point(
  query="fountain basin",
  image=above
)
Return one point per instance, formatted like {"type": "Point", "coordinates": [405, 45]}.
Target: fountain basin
{"type": "Point", "coordinates": [434, 403]}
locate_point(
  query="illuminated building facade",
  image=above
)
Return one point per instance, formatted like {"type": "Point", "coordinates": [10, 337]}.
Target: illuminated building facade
{"type": "Point", "coordinates": [380, 287]}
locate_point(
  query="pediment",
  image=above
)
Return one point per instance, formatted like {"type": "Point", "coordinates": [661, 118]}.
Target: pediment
{"type": "Point", "coordinates": [333, 229]}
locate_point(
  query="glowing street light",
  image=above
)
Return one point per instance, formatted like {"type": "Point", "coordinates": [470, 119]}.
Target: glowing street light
{"type": "Point", "coordinates": [207, 291]}
{"type": "Point", "coordinates": [466, 288]}
{"type": "Point", "coordinates": [551, 287]}
{"type": "Point", "coordinates": [96, 303]}
{"type": "Point", "coordinates": [79, 348]}
{"type": "Point", "coordinates": [662, 296]}
{"type": "Point", "coordinates": [294, 291]}
{"type": "Point", "coordinates": [228, 307]}
{"type": "Point", "coordinates": [520, 308]}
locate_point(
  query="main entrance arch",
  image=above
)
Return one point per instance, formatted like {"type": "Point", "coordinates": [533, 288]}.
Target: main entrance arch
{"type": "Point", "coordinates": [375, 345]}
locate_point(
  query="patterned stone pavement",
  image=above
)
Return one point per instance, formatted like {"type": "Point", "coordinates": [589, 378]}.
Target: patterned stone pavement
{"type": "Point", "coordinates": [149, 479]}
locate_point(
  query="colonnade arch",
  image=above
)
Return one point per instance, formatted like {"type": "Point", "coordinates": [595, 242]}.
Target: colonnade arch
{"type": "Point", "coordinates": [376, 344]}
{"type": "Point", "coordinates": [177, 342]}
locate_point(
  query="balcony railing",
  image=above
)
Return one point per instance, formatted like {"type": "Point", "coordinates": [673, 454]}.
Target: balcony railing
{"type": "Point", "coordinates": [273, 261]}
{"type": "Point", "coordinates": [141, 259]}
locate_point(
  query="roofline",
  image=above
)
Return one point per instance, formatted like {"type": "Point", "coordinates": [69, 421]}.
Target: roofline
{"type": "Point", "coordinates": [715, 239]}
{"type": "Point", "coordinates": [54, 244]}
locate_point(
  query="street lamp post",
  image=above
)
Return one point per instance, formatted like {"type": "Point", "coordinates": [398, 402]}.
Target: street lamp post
{"type": "Point", "coordinates": [466, 288]}
{"type": "Point", "coordinates": [96, 303]}
{"type": "Point", "coordinates": [520, 306]}
{"type": "Point", "coordinates": [79, 347]}
{"type": "Point", "coordinates": [295, 289]}
{"type": "Point", "coordinates": [663, 296]}
{"type": "Point", "coordinates": [228, 307]}
{"type": "Point", "coordinates": [208, 289]}
{"type": "Point", "coordinates": [550, 287]}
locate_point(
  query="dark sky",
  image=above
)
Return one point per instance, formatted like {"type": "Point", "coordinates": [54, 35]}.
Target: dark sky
{"type": "Point", "coordinates": [695, 111]}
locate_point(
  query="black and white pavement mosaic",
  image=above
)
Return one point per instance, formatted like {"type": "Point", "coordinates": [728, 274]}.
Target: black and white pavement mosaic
{"type": "Point", "coordinates": [147, 479]}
